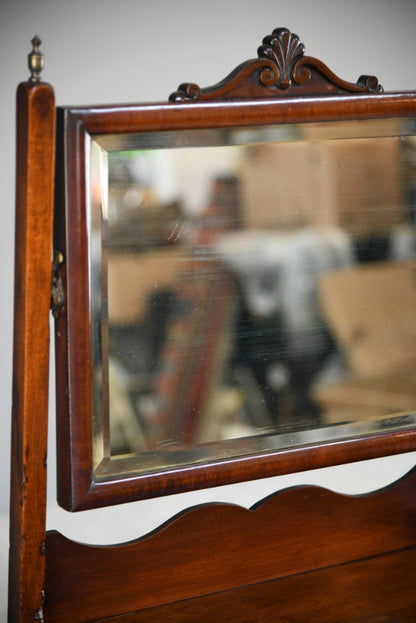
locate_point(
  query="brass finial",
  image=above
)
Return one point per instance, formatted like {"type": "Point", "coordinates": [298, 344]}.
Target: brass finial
{"type": "Point", "coordinates": [35, 60]}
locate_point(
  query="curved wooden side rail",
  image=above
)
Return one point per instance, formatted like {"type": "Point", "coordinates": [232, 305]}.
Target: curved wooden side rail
{"type": "Point", "coordinates": [224, 554]}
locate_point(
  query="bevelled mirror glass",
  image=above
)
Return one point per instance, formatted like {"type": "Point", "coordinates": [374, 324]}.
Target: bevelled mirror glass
{"type": "Point", "coordinates": [239, 278]}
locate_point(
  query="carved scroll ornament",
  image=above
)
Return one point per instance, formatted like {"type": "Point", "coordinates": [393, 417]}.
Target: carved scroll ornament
{"type": "Point", "coordinates": [280, 70]}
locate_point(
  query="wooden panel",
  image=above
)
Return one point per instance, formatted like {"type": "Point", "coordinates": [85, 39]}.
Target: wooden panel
{"type": "Point", "coordinates": [220, 547]}
{"type": "Point", "coordinates": [34, 210]}
{"type": "Point", "coordinates": [377, 590]}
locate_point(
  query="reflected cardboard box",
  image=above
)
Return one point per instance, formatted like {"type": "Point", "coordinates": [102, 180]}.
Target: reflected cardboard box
{"type": "Point", "coordinates": [356, 185]}
{"type": "Point", "coordinates": [372, 313]}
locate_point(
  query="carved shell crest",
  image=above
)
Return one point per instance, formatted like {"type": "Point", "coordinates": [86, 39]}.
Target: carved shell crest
{"type": "Point", "coordinates": [285, 49]}
{"type": "Point", "coordinates": [281, 64]}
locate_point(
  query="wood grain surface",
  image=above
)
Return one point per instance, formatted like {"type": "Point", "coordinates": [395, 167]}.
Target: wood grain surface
{"type": "Point", "coordinates": [33, 261]}
{"type": "Point", "coordinates": [217, 548]}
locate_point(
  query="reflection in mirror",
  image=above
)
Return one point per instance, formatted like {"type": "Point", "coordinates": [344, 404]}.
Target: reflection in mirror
{"type": "Point", "coordinates": [252, 283]}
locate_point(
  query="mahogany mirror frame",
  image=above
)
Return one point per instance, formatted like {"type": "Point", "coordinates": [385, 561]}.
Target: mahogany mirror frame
{"type": "Point", "coordinates": [279, 87]}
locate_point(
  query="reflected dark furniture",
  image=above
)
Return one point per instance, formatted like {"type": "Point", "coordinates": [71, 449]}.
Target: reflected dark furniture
{"type": "Point", "coordinates": [302, 555]}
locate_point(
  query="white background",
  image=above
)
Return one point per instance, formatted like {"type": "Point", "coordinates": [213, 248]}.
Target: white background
{"type": "Point", "coordinates": [113, 51]}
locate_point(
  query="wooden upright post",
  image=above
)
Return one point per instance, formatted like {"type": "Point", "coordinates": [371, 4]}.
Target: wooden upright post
{"type": "Point", "coordinates": [33, 259]}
